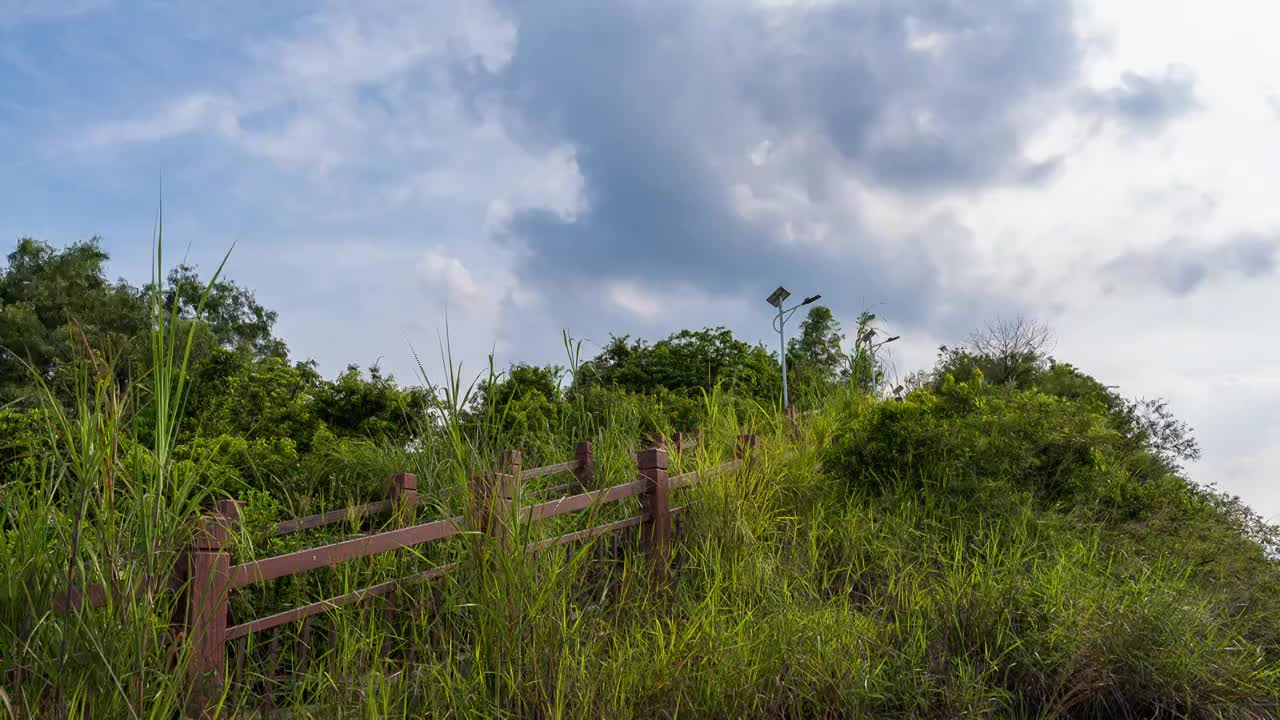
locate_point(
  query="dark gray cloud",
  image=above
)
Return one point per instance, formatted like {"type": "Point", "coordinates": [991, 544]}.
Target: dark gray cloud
{"type": "Point", "coordinates": [664, 102]}
{"type": "Point", "coordinates": [1180, 266]}
{"type": "Point", "coordinates": [917, 95]}
{"type": "Point", "coordinates": [1148, 103]}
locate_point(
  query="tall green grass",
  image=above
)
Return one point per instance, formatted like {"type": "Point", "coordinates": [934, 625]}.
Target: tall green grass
{"type": "Point", "coordinates": [101, 510]}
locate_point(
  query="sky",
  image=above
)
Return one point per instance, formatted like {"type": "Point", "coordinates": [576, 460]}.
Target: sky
{"type": "Point", "coordinates": [525, 167]}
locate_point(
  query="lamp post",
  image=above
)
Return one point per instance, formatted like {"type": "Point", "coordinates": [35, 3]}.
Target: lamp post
{"type": "Point", "coordinates": [776, 298]}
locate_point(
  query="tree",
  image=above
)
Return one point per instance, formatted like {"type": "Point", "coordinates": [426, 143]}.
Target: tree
{"type": "Point", "coordinates": [54, 304]}
{"type": "Point", "coordinates": [236, 394]}
{"type": "Point", "coordinates": [1147, 425]}
{"type": "Point", "coordinates": [1016, 354]}
{"type": "Point", "coordinates": [1152, 425]}
{"type": "Point", "coordinates": [815, 357]}
{"type": "Point", "coordinates": [520, 381]}
{"type": "Point", "coordinates": [233, 393]}
{"type": "Point", "coordinates": [1008, 351]}
{"type": "Point", "coordinates": [686, 363]}
{"type": "Point", "coordinates": [524, 401]}
{"type": "Point", "coordinates": [376, 407]}
{"type": "Point", "coordinates": [864, 367]}
{"type": "Point", "coordinates": [231, 312]}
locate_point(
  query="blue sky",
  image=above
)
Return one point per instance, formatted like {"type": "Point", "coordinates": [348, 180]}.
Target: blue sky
{"type": "Point", "coordinates": [636, 168]}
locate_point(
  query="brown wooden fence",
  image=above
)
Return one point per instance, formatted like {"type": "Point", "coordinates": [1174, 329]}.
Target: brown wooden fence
{"type": "Point", "coordinates": [213, 576]}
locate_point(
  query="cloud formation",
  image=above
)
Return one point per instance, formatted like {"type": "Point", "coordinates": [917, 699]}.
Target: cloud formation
{"type": "Point", "coordinates": [1180, 266]}
{"type": "Point", "coordinates": [1147, 103]}
{"type": "Point", "coordinates": [721, 145]}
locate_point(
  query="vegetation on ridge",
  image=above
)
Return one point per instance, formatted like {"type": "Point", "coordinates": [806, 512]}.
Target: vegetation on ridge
{"type": "Point", "coordinates": [1001, 536]}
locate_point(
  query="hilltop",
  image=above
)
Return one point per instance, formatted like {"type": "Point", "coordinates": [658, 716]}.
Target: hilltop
{"type": "Point", "coordinates": [1001, 535]}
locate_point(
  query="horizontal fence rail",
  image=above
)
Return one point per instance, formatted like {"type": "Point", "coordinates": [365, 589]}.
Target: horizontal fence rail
{"type": "Point", "coordinates": [587, 534]}
{"type": "Point", "coordinates": [548, 470]}
{"type": "Point", "coordinates": [333, 516]}
{"type": "Point", "coordinates": [574, 503]}
{"type": "Point", "coordinates": [339, 552]}
{"type": "Point", "coordinates": [236, 632]}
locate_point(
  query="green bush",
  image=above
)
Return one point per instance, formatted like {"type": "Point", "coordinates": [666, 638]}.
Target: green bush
{"type": "Point", "coordinates": [1026, 440]}
{"type": "Point", "coordinates": [24, 443]}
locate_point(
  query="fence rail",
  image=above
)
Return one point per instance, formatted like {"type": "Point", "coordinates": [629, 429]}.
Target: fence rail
{"type": "Point", "coordinates": [354, 597]}
{"type": "Point", "coordinates": [213, 577]}
{"type": "Point", "coordinates": [311, 522]}
{"type": "Point", "coordinates": [339, 552]}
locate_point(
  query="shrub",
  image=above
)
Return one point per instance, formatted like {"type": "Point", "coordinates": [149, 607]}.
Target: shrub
{"type": "Point", "coordinates": [1025, 439]}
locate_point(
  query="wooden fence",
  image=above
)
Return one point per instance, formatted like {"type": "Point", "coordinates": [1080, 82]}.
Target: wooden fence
{"type": "Point", "coordinates": [213, 576]}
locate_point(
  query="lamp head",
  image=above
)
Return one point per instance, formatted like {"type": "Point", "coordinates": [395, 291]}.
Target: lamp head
{"type": "Point", "coordinates": [777, 297]}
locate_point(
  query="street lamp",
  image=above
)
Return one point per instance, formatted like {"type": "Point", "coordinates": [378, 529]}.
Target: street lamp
{"type": "Point", "coordinates": [776, 298]}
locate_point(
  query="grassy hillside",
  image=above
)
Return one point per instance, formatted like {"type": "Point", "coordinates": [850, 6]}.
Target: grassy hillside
{"type": "Point", "coordinates": [973, 550]}
{"type": "Point", "coordinates": [1009, 539]}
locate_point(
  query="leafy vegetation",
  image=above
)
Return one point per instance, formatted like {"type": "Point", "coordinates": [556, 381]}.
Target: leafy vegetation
{"type": "Point", "coordinates": [1000, 536]}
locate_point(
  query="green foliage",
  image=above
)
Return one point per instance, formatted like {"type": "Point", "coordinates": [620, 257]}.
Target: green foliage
{"type": "Point", "coordinates": [340, 470]}
{"type": "Point", "coordinates": [53, 305]}
{"type": "Point", "coordinates": [865, 370]}
{"type": "Point", "coordinates": [815, 357]}
{"type": "Point", "coordinates": [58, 303]}
{"type": "Point", "coordinates": [662, 411]}
{"type": "Point", "coordinates": [231, 464]}
{"type": "Point", "coordinates": [525, 404]}
{"type": "Point", "coordinates": [1155, 439]}
{"type": "Point", "coordinates": [236, 394]}
{"type": "Point", "coordinates": [687, 363]}
{"type": "Point", "coordinates": [374, 408]}
{"type": "Point", "coordinates": [24, 443]}
{"type": "Point", "coordinates": [231, 313]}
{"type": "Point", "coordinates": [1025, 440]}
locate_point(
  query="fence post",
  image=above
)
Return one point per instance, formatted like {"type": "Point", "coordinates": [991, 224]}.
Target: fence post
{"type": "Point", "coordinates": [511, 461]}
{"type": "Point", "coordinates": [656, 439]}
{"type": "Point", "coordinates": [584, 473]}
{"type": "Point", "coordinates": [230, 509]}
{"type": "Point", "coordinates": [404, 496]}
{"type": "Point", "coordinates": [492, 493]}
{"type": "Point", "coordinates": [210, 577]}
{"type": "Point", "coordinates": [655, 533]}
{"type": "Point", "coordinates": [747, 443]}
{"type": "Point", "coordinates": [792, 421]}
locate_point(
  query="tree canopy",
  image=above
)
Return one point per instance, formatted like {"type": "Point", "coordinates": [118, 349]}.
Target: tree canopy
{"type": "Point", "coordinates": [58, 311]}
{"type": "Point", "coordinates": [687, 363]}
{"type": "Point", "coordinates": [815, 357]}
{"type": "Point", "coordinates": [57, 303]}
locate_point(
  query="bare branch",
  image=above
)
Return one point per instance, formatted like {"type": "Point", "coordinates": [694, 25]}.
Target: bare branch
{"type": "Point", "coordinates": [1019, 339]}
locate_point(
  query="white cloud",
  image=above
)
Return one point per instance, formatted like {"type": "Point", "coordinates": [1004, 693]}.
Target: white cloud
{"type": "Point", "coordinates": [635, 300]}
{"type": "Point", "coordinates": [453, 277]}
{"type": "Point", "coordinates": [189, 114]}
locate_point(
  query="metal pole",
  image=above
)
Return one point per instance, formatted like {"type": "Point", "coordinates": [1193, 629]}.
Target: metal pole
{"type": "Point", "coordinates": [782, 341]}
